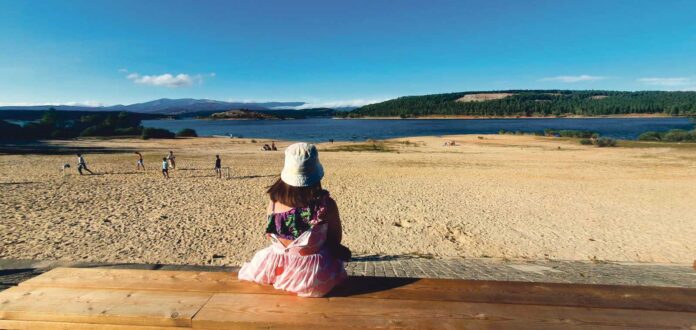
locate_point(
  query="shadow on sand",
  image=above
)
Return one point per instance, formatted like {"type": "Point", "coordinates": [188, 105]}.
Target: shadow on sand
{"type": "Point", "coordinates": [8, 272]}
{"type": "Point", "coordinates": [18, 183]}
{"type": "Point", "coordinates": [360, 285]}
{"type": "Point", "coordinates": [355, 286]}
{"type": "Point", "coordinates": [254, 176]}
{"type": "Point", "coordinates": [377, 257]}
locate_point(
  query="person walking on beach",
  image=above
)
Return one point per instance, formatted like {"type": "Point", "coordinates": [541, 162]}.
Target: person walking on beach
{"type": "Point", "coordinates": [171, 159]}
{"type": "Point", "coordinates": [82, 164]}
{"type": "Point", "coordinates": [305, 256]}
{"type": "Point", "coordinates": [218, 166]}
{"type": "Point", "coordinates": [165, 168]}
{"type": "Point", "coordinates": [139, 163]}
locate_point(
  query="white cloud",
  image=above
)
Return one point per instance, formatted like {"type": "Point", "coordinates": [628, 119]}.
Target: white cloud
{"type": "Point", "coordinates": [573, 79]}
{"type": "Point", "coordinates": [167, 79]}
{"type": "Point", "coordinates": [335, 104]}
{"type": "Point", "coordinates": [665, 81]}
{"type": "Point", "coordinates": [72, 103]}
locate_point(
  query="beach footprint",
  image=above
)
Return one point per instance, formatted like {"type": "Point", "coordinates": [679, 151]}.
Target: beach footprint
{"type": "Point", "coordinates": [402, 224]}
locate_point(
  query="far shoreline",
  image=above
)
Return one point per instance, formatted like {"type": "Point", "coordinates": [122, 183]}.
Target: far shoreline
{"type": "Point", "coordinates": [463, 117]}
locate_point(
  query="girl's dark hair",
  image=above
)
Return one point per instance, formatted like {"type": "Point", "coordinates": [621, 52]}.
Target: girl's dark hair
{"type": "Point", "coordinates": [286, 194]}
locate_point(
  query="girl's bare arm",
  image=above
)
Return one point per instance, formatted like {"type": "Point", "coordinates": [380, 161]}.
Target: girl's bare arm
{"type": "Point", "coordinates": [334, 221]}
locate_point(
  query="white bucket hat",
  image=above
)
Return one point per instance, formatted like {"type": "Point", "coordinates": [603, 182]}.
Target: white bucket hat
{"type": "Point", "coordinates": [302, 167]}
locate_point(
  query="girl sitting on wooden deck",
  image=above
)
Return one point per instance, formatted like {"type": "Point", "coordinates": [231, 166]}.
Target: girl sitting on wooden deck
{"type": "Point", "coordinates": [305, 255]}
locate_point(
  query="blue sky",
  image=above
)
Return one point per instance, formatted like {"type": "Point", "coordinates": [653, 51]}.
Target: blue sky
{"type": "Point", "coordinates": [337, 52]}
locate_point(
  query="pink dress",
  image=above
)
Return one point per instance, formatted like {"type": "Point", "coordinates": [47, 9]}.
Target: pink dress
{"type": "Point", "coordinates": [305, 266]}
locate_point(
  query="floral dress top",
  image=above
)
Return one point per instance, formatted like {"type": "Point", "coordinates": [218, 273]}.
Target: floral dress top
{"type": "Point", "coordinates": [305, 266]}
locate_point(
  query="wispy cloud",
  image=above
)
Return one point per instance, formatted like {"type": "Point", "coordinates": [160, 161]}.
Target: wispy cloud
{"type": "Point", "coordinates": [336, 104]}
{"type": "Point", "coordinates": [72, 103]}
{"type": "Point", "coordinates": [666, 81]}
{"type": "Point", "coordinates": [167, 79]}
{"type": "Point", "coordinates": [573, 79]}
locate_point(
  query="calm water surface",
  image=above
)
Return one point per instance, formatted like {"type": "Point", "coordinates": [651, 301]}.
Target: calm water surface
{"type": "Point", "coordinates": [322, 129]}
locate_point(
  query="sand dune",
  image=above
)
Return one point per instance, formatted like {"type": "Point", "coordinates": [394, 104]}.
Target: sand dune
{"type": "Point", "coordinates": [501, 196]}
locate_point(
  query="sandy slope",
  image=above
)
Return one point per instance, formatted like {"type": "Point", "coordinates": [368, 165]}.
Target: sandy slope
{"type": "Point", "coordinates": [483, 97]}
{"type": "Point", "coordinates": [502, 196]}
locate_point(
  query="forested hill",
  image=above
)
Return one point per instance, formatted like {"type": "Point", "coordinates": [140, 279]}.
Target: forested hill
{"type": "Point", "coordinates": [512, 103]}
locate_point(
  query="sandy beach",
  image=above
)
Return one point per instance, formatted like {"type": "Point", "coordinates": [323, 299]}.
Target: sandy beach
{"type": "Point", "coordinates": [499, 196]}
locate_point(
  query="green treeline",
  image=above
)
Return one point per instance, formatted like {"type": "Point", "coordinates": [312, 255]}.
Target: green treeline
{"type": "Point", "coordinates": [65, 125]}
{"type": "Point", "coordinates": [531, 103]}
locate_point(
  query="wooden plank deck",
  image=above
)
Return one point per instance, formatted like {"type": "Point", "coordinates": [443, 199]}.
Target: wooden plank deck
{"type": "Point", "coordinates": [84, 298]}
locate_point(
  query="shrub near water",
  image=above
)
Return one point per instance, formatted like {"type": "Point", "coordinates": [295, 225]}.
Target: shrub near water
{"type": "Point", "coordinates": [553, 132]}
{"type": "Point", "coordinates": [675, 135]}
{"type": "Point", "coordinates": [650, 136]}
{"type": "Point", "coordinates": [679, 135]}
{"type": "Point", "coordinates": [9, 130]}
{"type": "Point", "coordinates": [156, 133]}
{"type": "Point", "coordinates": [571, 133]}
{"type": "Point", "coordinates": [605, 142]}
{"type": "Point", "coordinates": [577, 134]}
{"type": "Point", "coordinates": [187, 132]}
{"type": "Point", "coordinates": [129, 131]}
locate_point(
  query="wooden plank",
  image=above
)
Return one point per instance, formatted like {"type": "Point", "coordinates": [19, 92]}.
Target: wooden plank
{"type": "Point", "coordinates": [226, 310]}
{"type": "Point", "coordinates": [555, 294]}
{"type": "Point", "coordinates": [138, 279]}
{"type": "Point", "coordinates": [552, 294]}
{"type": "Point", "coordinates": [43, 325]}
{"type": "Point", "coordinates": [123, 307]}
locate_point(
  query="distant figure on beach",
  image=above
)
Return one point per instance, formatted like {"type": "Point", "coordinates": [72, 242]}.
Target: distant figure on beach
{"type": "Point", "coordinates": [266, 147]}
{"type": "Point", "coordinates": [331, 140]}
{"type": "Point", "coordinates": [218, 166]}
{"type": "Point", "coordinates": [165, 168]}
{"type": "Point", "coordinates": [171, 159]}
{"type": "Point", "coordinates": [139, 163]}
{"type": "Point", "coordinates": [305, 256]}
{"type": "Point", "coordinates": [273, 146]}
{"type": "Point", "coordinates": [82, 164]}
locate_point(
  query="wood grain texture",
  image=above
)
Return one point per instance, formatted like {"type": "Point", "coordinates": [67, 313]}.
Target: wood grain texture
{"type": "Point", "coordinates": [122, 307]}
{"type": "Point", "coordinates": [224, 311]}
{"type": "Point", "coordinates": [138, 279]}
{"type": "Point", "coordinates": [44, 325]}
{"type": "Point", "coordinates": [553, 294]}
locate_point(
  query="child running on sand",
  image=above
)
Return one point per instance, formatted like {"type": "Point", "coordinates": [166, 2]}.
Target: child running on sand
{"type": "Point", "coordinates": [139, 163]}
{"type": "Point", "coordinates": [218, 166]}
{"type": "Point", "coordinates": [171, 158]}
{"type": "Point", "coordinates": [165, 168]}
{"type": "Point", "coordinates": [305, 255]}
{"type": "Point", "coordinates": [82, 164]}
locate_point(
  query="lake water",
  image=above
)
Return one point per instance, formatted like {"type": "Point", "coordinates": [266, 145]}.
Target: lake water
{"type": "Point", "coordinates": [322, 129]}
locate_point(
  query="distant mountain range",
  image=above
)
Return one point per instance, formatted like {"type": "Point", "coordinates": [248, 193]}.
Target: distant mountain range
{"type": "Point", "coordinates": [173, 106]}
